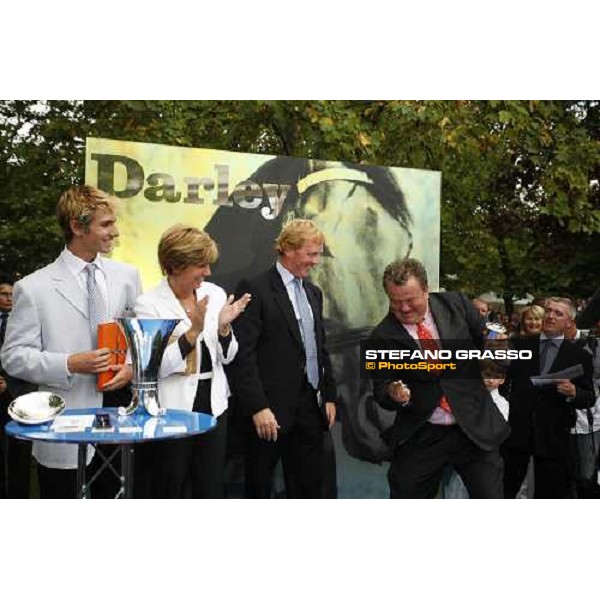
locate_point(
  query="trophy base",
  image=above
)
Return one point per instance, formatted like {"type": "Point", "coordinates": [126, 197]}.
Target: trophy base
{"type": "Point", "coordinates": [143, 399]}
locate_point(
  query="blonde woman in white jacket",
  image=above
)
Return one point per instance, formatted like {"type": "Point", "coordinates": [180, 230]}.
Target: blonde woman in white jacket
{"type": "Point", "coordinates": [191, 376]}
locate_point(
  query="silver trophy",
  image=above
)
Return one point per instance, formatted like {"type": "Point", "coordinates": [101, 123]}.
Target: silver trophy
{"type": "Point", "coordinates": [147, 340]}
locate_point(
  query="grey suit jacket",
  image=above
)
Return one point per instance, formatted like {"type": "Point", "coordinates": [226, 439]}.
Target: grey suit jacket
{"type": "Point", "coordinates": [49, 321]}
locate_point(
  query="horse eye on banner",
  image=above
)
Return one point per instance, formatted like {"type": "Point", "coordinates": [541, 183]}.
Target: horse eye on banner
{"type": "Point", "coordinates": [327, 252]}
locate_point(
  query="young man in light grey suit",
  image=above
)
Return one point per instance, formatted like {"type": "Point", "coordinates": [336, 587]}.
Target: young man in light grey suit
{"type": "Point", "coordinates": [51, 333]}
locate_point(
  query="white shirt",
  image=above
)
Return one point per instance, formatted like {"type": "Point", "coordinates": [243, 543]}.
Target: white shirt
{"type": "Point", "coordinates": [78, 266]}
{"type": "Point", "coordinates": [501, 402]}
{"type": "Point", "coordinates": [288, 281]}
{"type": "Point", "coordinates": [581, 425]}
{"type": "Point", "coordinates": [439, 416]}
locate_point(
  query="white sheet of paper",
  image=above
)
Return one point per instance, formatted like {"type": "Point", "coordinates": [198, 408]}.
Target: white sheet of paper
{"type": "Point", "coordinates": [130, 429]}
{"type": "Point", "coordinates": [75, 424]}
{"type": "Point", "coordinates": [175, 429]}
{"type": "Point", "coordinates": [550, 378]}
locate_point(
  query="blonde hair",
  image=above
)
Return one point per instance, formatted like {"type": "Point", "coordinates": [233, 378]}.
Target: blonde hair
{"type": "Point", "coordinates": [296, 233]}
{"type": "Point", "coordinates": [535, 311]}
{"type": "Point", "coordinates": [181, 246]}
{"type": "Point", "coordinates": [80, 203]}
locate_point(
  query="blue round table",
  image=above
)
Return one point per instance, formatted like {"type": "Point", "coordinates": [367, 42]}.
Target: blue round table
{"type": "Point", "coordinates": [124, 434]}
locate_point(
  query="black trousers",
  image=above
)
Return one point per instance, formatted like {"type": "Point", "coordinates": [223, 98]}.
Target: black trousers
{"type": "Point", "coordinates": [300, 450]}
{"type": "Point", "coordinates": [554, 477]}
{"type": "Point", "coordinates": [15, 466]}
{"type": "Point", "coordinates": [15, 458]}
{"type": "Point", "coordinates": [417, 466]}
{"type": "Point", "coordinates": [15, 472]}
{"type": "Point", "coordinates": [57, 483]}
{"type": "Point", "coordinates": [191, 467]}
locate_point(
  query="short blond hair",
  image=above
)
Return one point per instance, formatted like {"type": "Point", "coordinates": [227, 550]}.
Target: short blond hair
{"type": "Point", "coordinates": [535, 311]}
{"type": "Point", "coordinates": [296, 233]}
{"type": "Point", "coordinates": [181, 246]}
{"type": "Point", "coordinates": [80, 203]}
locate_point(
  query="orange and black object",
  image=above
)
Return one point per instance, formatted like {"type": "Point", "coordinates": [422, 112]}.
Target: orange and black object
{"type": "Point", "coordinates": [111, 336]}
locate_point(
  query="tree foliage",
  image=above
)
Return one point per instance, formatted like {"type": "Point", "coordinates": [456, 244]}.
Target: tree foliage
{"type": "Point", "coordinates": [520, 198]}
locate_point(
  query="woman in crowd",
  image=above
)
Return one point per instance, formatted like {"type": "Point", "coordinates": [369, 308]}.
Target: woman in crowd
{"type": "Point", "coordinates": [531, 320]}
{"type": "Point", "coordinates": [192, 375]}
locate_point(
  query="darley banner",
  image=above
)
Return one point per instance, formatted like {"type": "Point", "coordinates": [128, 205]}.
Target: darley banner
{"type": "Point", "coordinates": [370, 215]}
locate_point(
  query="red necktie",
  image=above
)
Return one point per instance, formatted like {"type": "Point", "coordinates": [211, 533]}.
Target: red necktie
{"type": "Point", "coordinates": [429, 343]}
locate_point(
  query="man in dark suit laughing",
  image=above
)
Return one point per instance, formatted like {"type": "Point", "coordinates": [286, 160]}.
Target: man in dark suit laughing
{"type": "Point", "coordinates": [440, 419]}
{"type": "Point", "coordinates": [282, 373]}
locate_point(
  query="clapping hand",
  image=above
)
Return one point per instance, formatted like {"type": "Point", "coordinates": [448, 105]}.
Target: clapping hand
{"type": "Point", "coordinates": [231, 310]}
{"type": "Point", "coordinates": [198, 314]}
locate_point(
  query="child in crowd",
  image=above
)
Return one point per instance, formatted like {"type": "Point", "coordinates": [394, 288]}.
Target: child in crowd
{"type": "Point", "coordinates": [493, 377]}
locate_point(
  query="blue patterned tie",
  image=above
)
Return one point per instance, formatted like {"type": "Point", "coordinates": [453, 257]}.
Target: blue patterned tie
{"type": "Point", "coordinates": [547, 355]}
{"type": "Point", "coordinates": [96, 309]}
{"type": "Point", "coordinates": [307, 328]}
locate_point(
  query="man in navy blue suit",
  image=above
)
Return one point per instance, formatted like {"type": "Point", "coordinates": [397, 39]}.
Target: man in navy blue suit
{"type": "Point", "coordinates": [282, 373]}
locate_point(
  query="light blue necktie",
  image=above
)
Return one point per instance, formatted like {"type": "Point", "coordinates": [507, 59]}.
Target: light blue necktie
{"type": "Point", "coordinates": [96, 310]}
{"type": "Point", "coordinates": [307, 328]}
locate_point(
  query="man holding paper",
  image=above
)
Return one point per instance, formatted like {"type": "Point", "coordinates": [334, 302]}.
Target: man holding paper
{"type": "Point", "coordinates": [544, 393]}
{"type": "Point", "coordinates": [51, 338]}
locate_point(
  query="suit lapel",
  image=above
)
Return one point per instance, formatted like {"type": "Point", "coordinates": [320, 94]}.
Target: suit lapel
{"type": "Point", "coordinates": [68, 287]}
{"type": "Point", "coordinates": [112, 287]}
{"type": "Point", "coordinates": [441, 317]}
{"type": "Point", "coordinates": [400, 332]}
{"type": "Point", "coordinates": [561, 360]}
{"type": "Point", "coordinates": [283, 300]}
{"type": "Point", "coordinates": [171, 303]}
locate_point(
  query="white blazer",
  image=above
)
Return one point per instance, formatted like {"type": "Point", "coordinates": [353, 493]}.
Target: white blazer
{"type": "Point", "coordinates": [49, 321]}
{"type": "Point", "coordinates": [175, 388]}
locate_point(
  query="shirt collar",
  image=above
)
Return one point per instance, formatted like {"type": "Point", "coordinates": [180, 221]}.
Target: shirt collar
{"type": "Point", "coordinates": [558, 338]}
{"type": "Point", "coordinates": [428, 316]}
{"type": "Point", "coordinates": [76, 265]}
{"type": "Point", "coordinates": [286, 276]}
{"type": "Point", "coordinates": [427, 319]}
